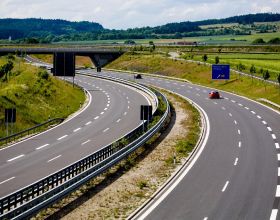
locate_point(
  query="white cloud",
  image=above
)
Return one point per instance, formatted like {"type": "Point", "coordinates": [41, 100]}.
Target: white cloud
{"type": "Point", "coordinates": [122, 14]}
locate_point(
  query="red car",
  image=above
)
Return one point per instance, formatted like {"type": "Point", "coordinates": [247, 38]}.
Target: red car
{"type": "Point", "coordinates": [214, 95]}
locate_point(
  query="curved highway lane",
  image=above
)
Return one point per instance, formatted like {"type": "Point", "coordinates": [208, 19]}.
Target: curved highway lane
{"type": "Point", "coordinates": [237, 176]}
{"type": "Point", "coordinates": [113, 111]}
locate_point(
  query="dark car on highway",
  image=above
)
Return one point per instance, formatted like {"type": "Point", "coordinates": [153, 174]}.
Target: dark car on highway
{"type": "Point", "coordinates": [138, 76]}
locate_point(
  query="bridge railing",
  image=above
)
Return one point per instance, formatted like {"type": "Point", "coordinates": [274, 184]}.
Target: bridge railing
{"type": "Point", "coordinates": [30, 199]}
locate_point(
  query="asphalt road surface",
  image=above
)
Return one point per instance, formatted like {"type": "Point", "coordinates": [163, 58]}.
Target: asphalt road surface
{"type": "Point", "coordinates": [113, 111]}
{"type": "Point", "coordinates": [237, 174]}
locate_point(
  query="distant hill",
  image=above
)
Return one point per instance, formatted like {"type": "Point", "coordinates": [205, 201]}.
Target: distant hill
{"type": "Point", "coordinates": [32, 27]}
{"type": "Point", "coordinates": [46, 31]}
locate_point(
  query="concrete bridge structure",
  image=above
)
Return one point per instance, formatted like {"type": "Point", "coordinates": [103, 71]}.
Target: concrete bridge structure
{"type": "Point", "coordinates": [64, 58]}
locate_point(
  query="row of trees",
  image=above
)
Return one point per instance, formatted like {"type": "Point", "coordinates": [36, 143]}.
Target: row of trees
{"type": "Point", "coordinates": [6, 69]}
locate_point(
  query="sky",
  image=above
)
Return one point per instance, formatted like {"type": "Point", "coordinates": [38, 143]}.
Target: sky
{"type": "Point", "coordinates": [123, 14]}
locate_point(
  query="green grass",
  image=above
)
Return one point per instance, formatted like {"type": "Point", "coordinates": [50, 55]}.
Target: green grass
{"type": "Point", "coordinates": [200, 74]}
{"type": "Point", "coordinates": [269, 62]}
{"type": "Point", "coordinates": [35, 98]}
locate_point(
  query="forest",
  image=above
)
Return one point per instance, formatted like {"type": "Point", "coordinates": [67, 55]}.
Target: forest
{"type": "Point", "coordinates": [34, 30]}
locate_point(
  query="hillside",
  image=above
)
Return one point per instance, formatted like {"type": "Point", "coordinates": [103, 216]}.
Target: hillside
{"type": "Point", "coordinates": [48, 31]}
{"type": "Point", "coordinates": [43, 28]}
{"type": "Point", "coordinates": [36, 95]}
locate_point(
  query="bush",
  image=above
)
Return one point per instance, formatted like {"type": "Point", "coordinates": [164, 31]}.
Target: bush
{"type": "Point", "coordinates": [43, 75]}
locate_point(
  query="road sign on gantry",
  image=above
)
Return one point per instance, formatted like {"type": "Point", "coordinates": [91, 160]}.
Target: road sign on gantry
{"type": "Point", "coordinates": [221, 71]}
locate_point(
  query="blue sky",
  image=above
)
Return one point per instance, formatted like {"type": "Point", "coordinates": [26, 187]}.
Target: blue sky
{"type": "Point", "coordinates": [123, 14]}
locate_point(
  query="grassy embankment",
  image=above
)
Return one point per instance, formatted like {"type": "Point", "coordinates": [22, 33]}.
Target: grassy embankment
{"type": "Point", "coordinates": [36, 96]}
{"type": "Point", "coordinates": [80, 61]}
{"type": "Point", "coordinates": [270, 62]}
{"type": "Point", "coordinates": [200, 74]}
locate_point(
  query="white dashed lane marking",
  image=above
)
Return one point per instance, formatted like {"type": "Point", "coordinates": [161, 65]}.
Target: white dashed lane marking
{"type": "Point", "coordinates": [15, 158]}
{"type": "Point", "coordinates": [238, 131]}
{"type": "Point", "coordinates": [106, 129]}
{"type": "Point", "coordinates": [236, 161]}
{"type": "Point", "coordinates": [7, 180]}
{"type": "Point", "coordinates": [225, 186]}
{"type": "Point", "coordinates": [101, 113]}
{"type": "Point", "coordinates": [88, 123]}
{"type": "Point", "coordinates": [230, 114]}
{"type": "Point", "coordinates": [77, 130]}
{"type": "Point", "coordinates": [259, 117]}
{"type": "Point", "coordinates": [85, 142]}
{"type": "Point", "coordinates": [240, 104]}
{"type": "Point", "coordinates": [253, 112]}
{"type": "Point", "coordinates": [41, 147]}
{"type": "Point", "coordinates": [278, 157]}
{"type": "Point", "coordinates": [273, 215]}
{"type": "Point", "coordinates": [96, 117]}
{"type": "Point", "coordinates": [277, 145]}
{"type": "Point", "coordinates": [273, 136]}
{"type": "Point", "coordinates": [239, 144]}
{"type": "Point", "coordinates": [264, 122]}
{"type": "Point", "coordinates": [269, 128]}
{"type": "Point", "coordinates": [118, 120]}
{"type": "Point", "coordinates": [277, 191]}
{"type": "Point", "coordinates": [54, 158]}
{"type": "Point", "coordinates": [235, 122]}
{"type": "Point", "coordinates": [64, 136]}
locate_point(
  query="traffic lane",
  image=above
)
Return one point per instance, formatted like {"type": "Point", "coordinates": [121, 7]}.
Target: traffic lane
{"type": "Point", "coordinates": [207, 179]}
{"type": "Point", "coordinates": [262, 192]}
{"type": "Point", "coordinates": [81, 121]}
{"type": "Point", "coordinates": [272, 168]}
{"type": "Point", "coordinates": [129, 120]}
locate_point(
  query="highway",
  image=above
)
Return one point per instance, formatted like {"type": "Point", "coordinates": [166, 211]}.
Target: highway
{"type": "Point", "coordinates": [113, 110]}
{"type": "Point", "coordinates": [236, 176]}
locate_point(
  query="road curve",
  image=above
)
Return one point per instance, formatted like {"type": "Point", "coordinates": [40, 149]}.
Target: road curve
{"type": "Point", "coordinates": [237, 174]}
{"type": "Point", "coordinates": [114, 111]}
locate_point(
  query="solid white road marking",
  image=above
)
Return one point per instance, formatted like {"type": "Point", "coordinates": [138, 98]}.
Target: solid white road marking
{"type": "Point", "coordinates": [54, 158]}
{"type": "Point", "coordinates": [239, 144]}
{"type": "Point", "coordinates": [269, 128]}
{"type": "Point", "coordinates": [77, 130]}
{"type": "Point", "coordinates": [64, 136]}
{"type": "Point", "coordinates": [106, 130]}
{"type": "Point", "coordinates": [236, 161]}
{"type": "Point", "coordinates": [277, 191]}
{"type": "Point", "coordinates": [85, 142]}
{"type": "Point", "coordinates": [225, 186]}
{"type": "Point", "coordinates": [264, 122]}
{"type": "Point", "coordinates": [96, 117]}
{"type": "Point", "coordinates": [17, 157]}
{"type": "Point", "coordinates": [45, 145]}
{"type": "Point", "coordinates": [7, 180]}
{"type": "Point", "coordinates": [277, 145]}
{"type": "Point", "coordinates": [273, 215]}
{"type": "Point", "coordinates": [273, 136]}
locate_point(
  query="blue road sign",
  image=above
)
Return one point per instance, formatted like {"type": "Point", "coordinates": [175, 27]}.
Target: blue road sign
{"type": "Point", "coordinates": [220, 71]}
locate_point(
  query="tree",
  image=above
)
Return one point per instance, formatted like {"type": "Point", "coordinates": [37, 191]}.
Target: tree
{"type": "Point", "coordinates": [253, 70]}
{"type": "Point", "coordinates": [217, 59]}
{"type": "Point", "coordinates": [204, 57]}
{"type": "Point", "coordinates": [6, 69]}
{"type": "Point", "coordinates": [240, 68]}
{"type": "Point", "coordinates": [266, 76]}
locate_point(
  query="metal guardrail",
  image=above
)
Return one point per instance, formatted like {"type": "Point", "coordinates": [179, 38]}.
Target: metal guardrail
{"type": "Point", "coordinates": [30, 199]}
{"type": "Point", "coordinates": [28, 131]}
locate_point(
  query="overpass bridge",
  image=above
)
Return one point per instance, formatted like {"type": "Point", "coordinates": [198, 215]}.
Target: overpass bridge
{"type": "Point", "coordinates": [64, 59]}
